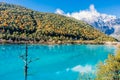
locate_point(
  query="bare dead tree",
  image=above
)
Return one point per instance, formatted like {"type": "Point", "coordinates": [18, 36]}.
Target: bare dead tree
{"type": "Point", "coordinates": [26, 60]}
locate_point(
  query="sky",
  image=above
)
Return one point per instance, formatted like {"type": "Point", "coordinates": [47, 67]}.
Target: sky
{"type": "Point", "coordinates": [111, 7]}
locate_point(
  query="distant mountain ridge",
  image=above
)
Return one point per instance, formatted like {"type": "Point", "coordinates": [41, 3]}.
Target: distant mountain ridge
{"type": "Point", "coordinates": [20, 24]}
{"type": "Point", "coordinates": [108, 24]}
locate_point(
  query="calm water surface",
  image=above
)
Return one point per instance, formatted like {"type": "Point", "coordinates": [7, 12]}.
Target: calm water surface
{"type": "Point", "coordinates": [56, 62]}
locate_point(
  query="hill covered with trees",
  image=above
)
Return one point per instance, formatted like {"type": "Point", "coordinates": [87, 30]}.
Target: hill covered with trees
{"type": "Point", "coordinates": [19, 23]}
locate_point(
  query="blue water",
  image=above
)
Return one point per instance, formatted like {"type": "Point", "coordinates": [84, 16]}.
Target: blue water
{"type": "Point", "coordinates": [56, 62]}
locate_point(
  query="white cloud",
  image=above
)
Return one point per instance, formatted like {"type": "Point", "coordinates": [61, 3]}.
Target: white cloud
{"type": "Point", "coordinates": [59, 11]}
{"type": "Point", "coordinates": [89, 15]}
{"type": "Point", "coordinates": [92, 8]}
{"type": "Point", "coordinates": [83, 69]}
{"type": "Point", "coordinates": [116, 33]}
{"type": "Point", "coordinates": [117, 29]}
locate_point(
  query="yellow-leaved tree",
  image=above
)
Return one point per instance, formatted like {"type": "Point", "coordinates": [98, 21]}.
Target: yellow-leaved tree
{"type": "Point", "coordinates": [110, 69]}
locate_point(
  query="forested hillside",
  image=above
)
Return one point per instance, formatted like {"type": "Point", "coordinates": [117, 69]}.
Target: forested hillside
{"type": "Point", "coordinates": [17, 22]}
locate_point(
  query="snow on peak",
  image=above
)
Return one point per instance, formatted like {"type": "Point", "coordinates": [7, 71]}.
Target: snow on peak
{"type": "Point", "coordinates": [108, 24]}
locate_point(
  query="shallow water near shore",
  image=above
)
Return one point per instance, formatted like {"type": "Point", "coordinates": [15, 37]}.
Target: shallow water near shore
{"type": "Point", "coordinates": [56, 62]}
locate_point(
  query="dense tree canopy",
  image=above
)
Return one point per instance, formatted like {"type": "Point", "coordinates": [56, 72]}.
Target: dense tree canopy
{"type": "Point", "coordinates": [17, 21]}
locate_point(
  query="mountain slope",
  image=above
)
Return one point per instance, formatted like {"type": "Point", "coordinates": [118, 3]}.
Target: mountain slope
{"type": "Point", "coordinates": [111, 27]}
{"type": "Point", "coordinates": [108, 24]}
{"type": "Point", "coordinates": [16, 22]}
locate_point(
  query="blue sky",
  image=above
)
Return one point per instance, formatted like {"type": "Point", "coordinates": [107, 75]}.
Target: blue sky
{"type": "Point", "coordinates": [103, 6]}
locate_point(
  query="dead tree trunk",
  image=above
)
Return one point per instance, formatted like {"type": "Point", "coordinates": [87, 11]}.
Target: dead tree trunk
{"type": "Point", "coordinates": [25, 58]}
{"type": "Point", "coordinates": [26, 62]}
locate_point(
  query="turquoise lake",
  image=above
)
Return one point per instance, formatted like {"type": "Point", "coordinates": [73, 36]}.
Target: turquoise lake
{"type": "Point", "coordinates": [56, 62]}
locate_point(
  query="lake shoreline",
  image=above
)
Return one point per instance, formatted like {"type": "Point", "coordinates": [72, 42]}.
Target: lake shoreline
{"type": "Point", "coordinates": [59, 42]}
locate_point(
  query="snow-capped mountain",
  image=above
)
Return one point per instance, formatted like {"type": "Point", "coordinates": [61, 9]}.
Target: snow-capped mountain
{"type": "Point", "coordinates": [109, 24]}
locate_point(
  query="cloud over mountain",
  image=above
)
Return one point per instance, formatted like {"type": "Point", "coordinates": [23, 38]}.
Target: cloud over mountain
{"type": "Point", "coordinates": [59, 11]}
{"type": "Point", "coordinates": [89, 15]}
{"type": "Point", "coordinates": [108, 24]}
